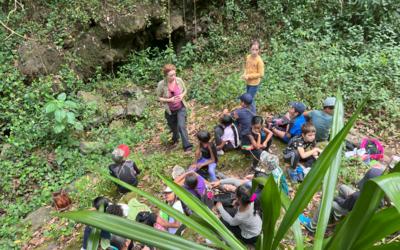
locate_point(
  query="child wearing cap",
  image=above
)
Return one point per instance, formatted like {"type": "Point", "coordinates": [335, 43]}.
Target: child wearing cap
{"type": "Point", "coordinates": [296, 120]}
{"type": "Point", "coordinates": [243, 113]}
{"type": "Point", "coordinates": [271, 164]}
{"type": "Point", "coordinates": [296, 151]}
{"type": "Point", "coordinates": [322, 119]}
{"type": "Point", "coordinates": [124, 170]}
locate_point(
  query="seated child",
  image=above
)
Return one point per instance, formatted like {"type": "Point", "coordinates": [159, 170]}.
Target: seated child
{"type": "Point", "coordinates": [245, 222]}
{"type": "Point", "coordinates": [226, 134]}
{"type": "Point", "coordinates": [297, 119]}
{"type": "Point", "coordinates": [295, 151]}
{"type": "Point", "coordinates": [322, 119]}
{"type": "Point", "coordinates": [254, 141]}
{"type": "Point", "coordinates": [110, 209]}
{"type": "Point", "coordinates": [208, 154]}
{"type": "Point", "coordinates": [192, 182]}
{"type": "Point", "coordinates": [343, 204]}
{"type": "Point", "coordinates": [173, 201]}
{"type": "Point", "coordinates": [125, 170]}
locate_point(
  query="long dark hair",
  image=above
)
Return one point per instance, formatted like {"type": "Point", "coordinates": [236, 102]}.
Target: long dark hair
{"type": "Point", "coordinates": [115, 210]}
{"type": "Point", "coordinates": [257, 120]}
{"type": "Point", "coordinates": [228, 121]}
{"type": "Point", "coordinates": [205, 137]}
{"type": "Point", "coordinates": [191, 181]}
{"type": "Point", "coordinates": [98, 201]}
{"type": "Point", "coordinates": [243, 194]}
{"type": "Point", "coordinates": [116, 241]}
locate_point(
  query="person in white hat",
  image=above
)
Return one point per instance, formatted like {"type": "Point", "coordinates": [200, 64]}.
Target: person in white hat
{"type": "Point", "coordinates": [173, 201]}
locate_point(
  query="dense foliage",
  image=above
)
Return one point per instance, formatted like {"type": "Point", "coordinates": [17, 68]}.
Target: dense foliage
{"type": "Point", "coordinates": [310, 49]}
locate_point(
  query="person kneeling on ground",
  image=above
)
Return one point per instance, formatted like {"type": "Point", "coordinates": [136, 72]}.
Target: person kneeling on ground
{"type": "Point", "coordinates": [245, 222]}
{"type": "Point", "coordinates": [124, 170]}
{"type": "Point", "coordinates": [322, 119]}
{"type": "Point", "coordinates": [296, 120]}
{"type": "Point", "coordinates": [193, 183]}
{"type": "Point", "coordinates": [343, 204]}
{"type": "Point", "coordinates": [254, 141]}
{"type": "Point", "coordinates": [295, 151]}
{"type": "Point", "coordinates": [120, 243]}
{"type": "Point", "coordinates": [208, 154]}
{"type": "Point", "coordinates": [226, 134]}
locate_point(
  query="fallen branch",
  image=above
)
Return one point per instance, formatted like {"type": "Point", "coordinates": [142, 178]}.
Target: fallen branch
{"type": "Point", "coordinates": [13, 32]}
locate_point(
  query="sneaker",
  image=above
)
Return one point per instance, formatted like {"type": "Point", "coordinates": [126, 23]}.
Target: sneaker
{"type": "Point", "coordinates": [335, 215]}
{"type": "Point", "coordinates": [220, 152]}
{"type": "Point", "coordinates": [293, 175]}
{"type": "Point", "coordinates": [300, 176]}
{"type": "Point", "coordinates": [306, 222]}
{"type": "Point", "coordinates": [222, 176]}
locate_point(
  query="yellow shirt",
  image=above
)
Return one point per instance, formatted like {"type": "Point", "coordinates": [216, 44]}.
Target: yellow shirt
{"type": "Point", "coordinates": [254, 70]}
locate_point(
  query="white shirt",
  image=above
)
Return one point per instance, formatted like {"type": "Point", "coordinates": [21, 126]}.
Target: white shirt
{"type": "Point", "coordinates": [229, 135]}
{"type": "Point", "coordinates": [178, 206]}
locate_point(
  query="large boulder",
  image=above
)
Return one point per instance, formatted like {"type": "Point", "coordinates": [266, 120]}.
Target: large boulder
{"type": "Point", "coordinates": [136, 107]}
{"type": "Point", "coordinates": [162, 31]}
{"type": "Point", "coordinates": [100, 115]}
{"type": "Point", "coordinates": [6, 149]}
{"type": "Point", "coordinates": [131, 91]}
{"type": "Point", "coordinates": [39, 60]}
{"type": "Point", "coordinates": [117, 111]}
{"type": "Point", "coordinates": [86, 147]}
{"type": "Point", "coordinates": [115, 124]}
{"type": "Point", "coordinates": [38, 218]}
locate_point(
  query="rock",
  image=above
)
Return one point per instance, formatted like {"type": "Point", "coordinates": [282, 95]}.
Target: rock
{"type": "Point", "coordinates": [101, 115]}
{"type": "Point", "coordinates": [91, 147]}
{"type": "Point", "coordinates": [131, 91]}
{"type": "Point", "coordinates": [162, 31]}
{"type": "Point", "coordinates": [71, 188]}
{"type": "Point", "coordinates": [136, 107]}
{"type": "Point", "coordinates": [115, 124]}
{"type": "Point", "coordinates": [117, 111]}
{"type": "Point", "coordinates": [6, 149]}
{"type": "Point", "coordinates": [38, 218]}
{"type": "Point", "coordinates": [39, 60]}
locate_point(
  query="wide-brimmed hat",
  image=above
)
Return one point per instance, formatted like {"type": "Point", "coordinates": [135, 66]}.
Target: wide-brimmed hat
{"type": "Point", "coordinates": [118, 155]}
{"type": "Point", "coordinates": [177, 171]}
{"type": "Point", "coordinates": [270, 160]}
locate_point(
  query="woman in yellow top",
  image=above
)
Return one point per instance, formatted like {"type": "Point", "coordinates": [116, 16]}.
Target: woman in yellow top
{"type": "Point", "coordinates": [254, 69]}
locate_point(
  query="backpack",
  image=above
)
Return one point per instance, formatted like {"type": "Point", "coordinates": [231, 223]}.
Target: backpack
{"type": "Point", "coordinates": [349, 146]}
{"type": "Point", "coordinates": [207, 199]}
{"type": "Point", "coordinates": [141, 217]}
{"type": "Point", "coordinates": [203, 172]}
{"type": "Point", "coordinates": [279, 123]}
{"type": "Point", "coordinates": [282, 183]}
{"type": "Point", "coordinates": [374, 147]}
{"type": "Point", "coordinates": [225, 198]}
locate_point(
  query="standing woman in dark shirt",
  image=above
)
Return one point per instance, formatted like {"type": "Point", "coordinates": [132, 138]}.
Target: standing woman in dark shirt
{"type": "Point", "coordinates": [171, 92]}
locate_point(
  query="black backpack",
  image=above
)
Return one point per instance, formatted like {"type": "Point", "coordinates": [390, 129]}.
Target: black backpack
{"type": "Point", "coordinates": [225, 198]}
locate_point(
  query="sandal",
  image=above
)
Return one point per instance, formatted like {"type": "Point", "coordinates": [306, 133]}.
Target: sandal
{"type": "Point", "coordinates": [174, 145]}
{"type": "Point", "coordinates": [189, 153]}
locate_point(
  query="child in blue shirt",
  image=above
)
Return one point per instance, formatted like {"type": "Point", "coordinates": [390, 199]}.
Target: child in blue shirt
{"type": "Point", "coordinates": [296, 120]}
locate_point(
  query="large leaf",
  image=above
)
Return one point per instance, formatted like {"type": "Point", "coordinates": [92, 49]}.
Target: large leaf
{"type": "Point", "coordinates": [313, 179]}
{"type": "Point", "coordinates": [329, 185]}
{"type": "Point", "coordinates": [381, 225]}
{"type": "Point", "coordinates": [271, 206]}
{"type": "Point", "coordinates": [390, 246]}
{"type": "Point", "coordinates": [203, 211]}
{"type": "Point", "coordinates": [59, 127]}
{"type": "Point", "coordinates": [60, 114]}
{"type": "Point", "coordinates": [94, 236]}
{"type": "Point", "coordinates": [169, 210]}
{"type": "Point", "coordinates": [70, 104]}
{"type": "Point", "coordinates": [364, 209]}
{"type": "Point", "coordinates": [71, 118]}
{"type": "Point", "coordinates": [131, 230]}
{"type": "Point", "coordinates": [285, 201]}
{"type": "Point", "coordinates": [62, 97]}
{"type": "Point", "coordinates": [51, 107]}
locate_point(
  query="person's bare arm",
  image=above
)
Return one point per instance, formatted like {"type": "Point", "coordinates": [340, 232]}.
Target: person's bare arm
{"type": "Point", "coordinates": [221, 146]}
{"type": "Point", "coordinates": [196, 157]}
{"type": "Point", "coordinates": [303, 154]}
{"type": "Point", "coordinates": [269, 136]}
{"type": "Point", "coordinates": [256, 144]}
{"type": "Point", "coordinates": [165, 223]}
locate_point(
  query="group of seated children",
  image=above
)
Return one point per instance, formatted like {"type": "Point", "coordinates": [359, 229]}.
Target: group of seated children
{"type": "Point", "coordinates": [239, 127]}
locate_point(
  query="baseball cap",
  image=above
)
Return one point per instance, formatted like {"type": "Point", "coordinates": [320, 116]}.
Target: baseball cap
{"type": "Point", "coordinates": [125, 148]}
{"type": "Point", "coordinates": [270, 160]}
{"type": "Point", "coordinates": [118, 155]}
{"type": "Point", "coordinates": [167, 190]}
{"type": "Point", "coordinates": [330, 101]}
{"type": "Point", "coordinates": [299, 107]}
{"type": "Point", "coordinates": [246, 98]}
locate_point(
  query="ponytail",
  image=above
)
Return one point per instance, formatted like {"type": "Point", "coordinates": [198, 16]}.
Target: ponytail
{"type": "Point", "coordinates": [214, 151]}
{"type": "Point", "coordinates": [235, 134]}
{"type": "Point", "coordinates": [243, 194]}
